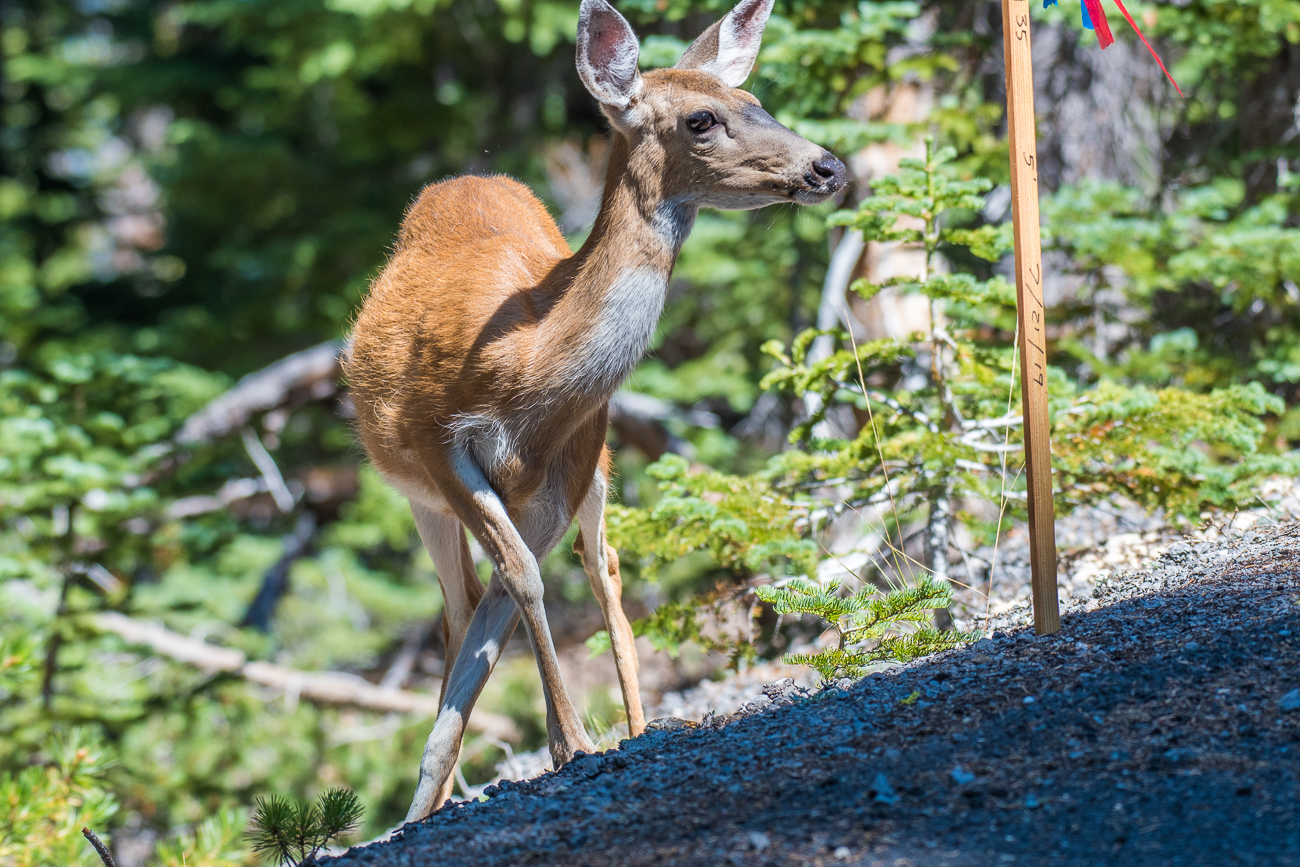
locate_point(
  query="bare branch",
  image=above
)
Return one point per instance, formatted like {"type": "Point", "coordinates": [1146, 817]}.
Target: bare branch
{"type": "Point", "coordinates": [916, 415]}
{"type": "Point", "coordinates": [203, 504]}
{"type": "Point", "coordinates": [311, 373]}
{"type": "Point", "coordinates": [320, 687]}
{"type": "Point", "coordinates": [972, 441]}
{"type": "Point", "coordinates": [173, 645]}
{"type": "Point", "coordinates": [267, 467]}
{"type": "Point", "coordinates": [995, 424]}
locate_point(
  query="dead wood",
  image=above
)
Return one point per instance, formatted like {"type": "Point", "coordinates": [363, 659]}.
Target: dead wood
{"type": "Point", "coordinates": [100, 848]}
{"type": "Point", "coordinates": [310, 374]}
{"type": "Point", "coordinates": [319, 687]}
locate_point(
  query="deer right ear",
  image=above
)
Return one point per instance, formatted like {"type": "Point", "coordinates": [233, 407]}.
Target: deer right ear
{"type": "Point", "coordinates": [607, 54]}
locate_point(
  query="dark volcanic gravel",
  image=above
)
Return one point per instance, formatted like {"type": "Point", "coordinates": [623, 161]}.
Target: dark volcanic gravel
{"type": "Point", "coordinates": [1161, 726]}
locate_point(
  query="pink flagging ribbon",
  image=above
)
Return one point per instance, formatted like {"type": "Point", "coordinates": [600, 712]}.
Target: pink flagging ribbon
{"type": "Point", "coordinates": [1108, 38]}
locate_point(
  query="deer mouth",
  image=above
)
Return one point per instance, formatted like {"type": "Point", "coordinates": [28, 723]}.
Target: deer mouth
{"type": "Point", "coordinates": [812, 196]}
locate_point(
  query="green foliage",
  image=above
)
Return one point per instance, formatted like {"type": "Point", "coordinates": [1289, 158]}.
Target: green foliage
{"type": "Point", "coordinates": [1214, 279]}
{"type": "Point", "coordinates": [929, 438]}
{"type": "Point", "coordinates": [868, 623]}
{"type": "Point", "coordinates": [734, 519]}
{"type": "Point", "coordinates": [44, 807]}
{"type": "Point", "coordinates": [291, 833]}
{"type": "Point", "coordinates": [937, 432]}
{"type": "Point", "coordinates": [1172, 449]}
{"type": "Point", "coordinates": [1179, 450]}
{"type": "Point", "coordinates": [216, 842]}
{"type": "Point", "coordinates": [79, 431]}
{"type": "Point", "coordinates": [712, 622]}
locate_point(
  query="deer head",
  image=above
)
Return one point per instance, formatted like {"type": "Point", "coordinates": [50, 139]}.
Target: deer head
{"type": "Point", "coordinates": [695, 136]}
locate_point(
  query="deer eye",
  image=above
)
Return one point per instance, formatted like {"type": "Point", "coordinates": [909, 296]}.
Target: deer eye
{"type": "Point", "coordinates": [701, 121]}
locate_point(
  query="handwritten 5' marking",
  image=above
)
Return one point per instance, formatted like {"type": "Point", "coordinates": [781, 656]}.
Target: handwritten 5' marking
{"type": "Point", "coordinates": [1032, 275]}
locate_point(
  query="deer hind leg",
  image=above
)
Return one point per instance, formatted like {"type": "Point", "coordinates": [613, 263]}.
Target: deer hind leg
{"type": "Point", "coordinates": [489, 629]}
{"type": "Point", "coordinates": [444, 538]}
{"type": "Point", "coordinates": [515, 588]}
{"type": "Point", "coordinates": [600, 561]}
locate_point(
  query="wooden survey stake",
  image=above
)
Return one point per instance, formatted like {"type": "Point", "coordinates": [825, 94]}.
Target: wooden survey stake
{"type": "Point", "coordinates": [1029, 308]}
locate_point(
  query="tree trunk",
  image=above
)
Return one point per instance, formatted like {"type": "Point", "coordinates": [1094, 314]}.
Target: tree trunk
{"type": "Point", "coordinates": [938, 536]}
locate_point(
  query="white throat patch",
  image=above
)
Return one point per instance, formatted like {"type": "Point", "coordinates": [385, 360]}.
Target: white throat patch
{"type": "Point", "coordinates": [621, 331]}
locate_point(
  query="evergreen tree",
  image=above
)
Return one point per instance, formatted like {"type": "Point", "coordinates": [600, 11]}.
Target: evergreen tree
{"type": "Point", "coordinates": [941, 434]}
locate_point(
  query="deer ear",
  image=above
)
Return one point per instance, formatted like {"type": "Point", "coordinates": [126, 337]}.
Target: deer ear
{"type": "Point", "coordinates": [728, 48]}
{"type": "Point", "coordinates": [607, 54]}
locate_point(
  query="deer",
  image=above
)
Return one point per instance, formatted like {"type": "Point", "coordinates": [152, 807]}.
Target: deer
{"type": "Point", "coordinates": [485, 354]}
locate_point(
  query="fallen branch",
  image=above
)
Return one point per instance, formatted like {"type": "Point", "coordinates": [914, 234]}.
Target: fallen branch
{"type": "Point", "coordinates": [203, 504]}
{"type": "Point", "coordinates": [311, 372]}
{"type": "Point", "coordinates": [320, 687]}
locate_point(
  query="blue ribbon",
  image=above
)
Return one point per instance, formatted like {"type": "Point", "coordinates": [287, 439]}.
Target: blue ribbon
{"type": "Point", "coordinates": [1087, 19]}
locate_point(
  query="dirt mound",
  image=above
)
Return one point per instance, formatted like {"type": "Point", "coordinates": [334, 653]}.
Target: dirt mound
{"type": "Point", "coordinates": [1160, 726]}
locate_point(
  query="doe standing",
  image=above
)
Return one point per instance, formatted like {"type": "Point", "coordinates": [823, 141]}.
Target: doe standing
{"type": "Point", "coordinates": [484, 359]}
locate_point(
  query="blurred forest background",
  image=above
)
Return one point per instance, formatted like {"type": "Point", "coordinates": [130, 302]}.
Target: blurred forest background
{"type": "Point", "coordinates": [201, 602]}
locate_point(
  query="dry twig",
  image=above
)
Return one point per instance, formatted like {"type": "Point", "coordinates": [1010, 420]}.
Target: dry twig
{"type": "Point", "coordinates": [100, 848]}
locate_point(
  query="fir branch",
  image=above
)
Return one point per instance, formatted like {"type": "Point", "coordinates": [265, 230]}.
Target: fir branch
{"type": "Point", "coordinates": [274, 818]}
{"type": "Point", "coordinates": [873, 628]}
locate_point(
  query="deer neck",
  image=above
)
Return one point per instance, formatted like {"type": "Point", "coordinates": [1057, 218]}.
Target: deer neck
{"type": "Point", "coordinates": [609, 311]}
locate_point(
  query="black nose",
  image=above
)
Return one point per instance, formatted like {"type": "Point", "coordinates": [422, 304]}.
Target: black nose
{"type": "Point", "coordinates": [829, 170]}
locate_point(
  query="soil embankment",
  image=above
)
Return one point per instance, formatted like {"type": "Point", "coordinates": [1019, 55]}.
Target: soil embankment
{"type": "Point", "coordinates": [1160, 726]}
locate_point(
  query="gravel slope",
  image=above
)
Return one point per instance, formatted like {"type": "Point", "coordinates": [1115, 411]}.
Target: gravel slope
{"type": "Point", "coordinates": [1160, 726]}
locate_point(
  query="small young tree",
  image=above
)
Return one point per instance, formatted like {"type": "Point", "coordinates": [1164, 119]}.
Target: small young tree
{"type": "Point", "coordinates": [931, 444]}
{"type": "Point", "coordinates": [292, 833]}
{"type": "Point", "coordinates": [868, 623]}
{"type": "Point", "coordinates": [939, 436]}
{"type": "Point", "coordinates": [217, 841]}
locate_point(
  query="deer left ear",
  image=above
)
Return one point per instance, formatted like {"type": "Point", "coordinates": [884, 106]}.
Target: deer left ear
{"type": "Point", "coordinates": [728, 48]}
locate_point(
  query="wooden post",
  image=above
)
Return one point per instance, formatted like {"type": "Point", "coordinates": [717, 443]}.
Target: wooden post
{"type": "Point", "coordinates": [1029, 304]}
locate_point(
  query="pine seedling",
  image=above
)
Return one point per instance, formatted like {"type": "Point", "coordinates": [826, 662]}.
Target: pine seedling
{"type": "Point", "coordinates": [872, 627]}
{"type": "Point", "coordinates": [292, 833]}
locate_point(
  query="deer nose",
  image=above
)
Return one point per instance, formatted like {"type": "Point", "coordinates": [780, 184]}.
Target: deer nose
{"type": "Point", "coordinates": [829, 170]}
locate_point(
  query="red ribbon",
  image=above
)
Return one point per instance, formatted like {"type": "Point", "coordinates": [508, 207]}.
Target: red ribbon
{"type": "Point", "coordinates": [1106, 38]}
{"type": "Point", "coordinates": [1099, 22]}
{"type": "Point", "coordinates": [1137, 30]}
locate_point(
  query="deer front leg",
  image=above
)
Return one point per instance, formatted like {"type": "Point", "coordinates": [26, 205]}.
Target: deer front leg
{"type": "Point", "coordinates": [600, 561]}
{"type": "Point", "coordinates": [516, 566]}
